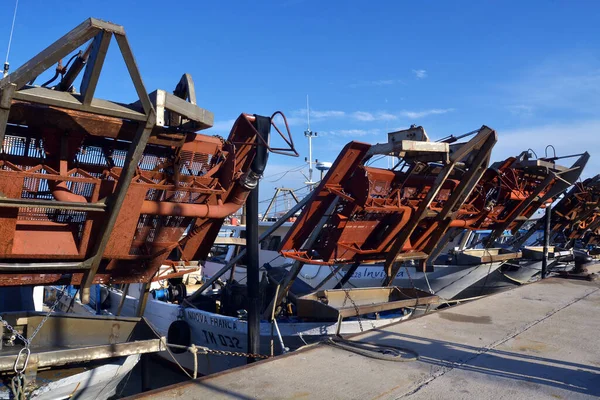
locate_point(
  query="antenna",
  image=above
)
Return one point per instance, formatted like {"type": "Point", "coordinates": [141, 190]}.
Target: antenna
{"type": "Point", "coordinates": [308, 113]}
{"type": "Point", "coordinates": [6, 64]}
{"type": "Point", "coordinates": [309, 134]}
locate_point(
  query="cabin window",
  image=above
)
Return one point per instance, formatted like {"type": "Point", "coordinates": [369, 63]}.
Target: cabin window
{"type": "Point", "coordinates": [271, 243]}
{"type": "Point", "coordinates": [218, 253]}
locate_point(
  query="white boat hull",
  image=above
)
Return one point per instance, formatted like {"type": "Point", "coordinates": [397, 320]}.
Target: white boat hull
{"type": "Point", "coordinates": [96, 383]}
{"type": "Point", "coordinates": [219, 332]}
{"type": "Point", "coordinates": [445, 281]}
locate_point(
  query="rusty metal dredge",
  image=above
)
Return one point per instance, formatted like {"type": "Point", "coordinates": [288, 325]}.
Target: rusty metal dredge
{"type": "Point", "coordinates": [511, 191]}
{"type": "Point", "coordinates": [95, 191]}
{"type": "Point", "coordinates": [367, 214]}
{"type": "Point", "coordinates": [575, 217]}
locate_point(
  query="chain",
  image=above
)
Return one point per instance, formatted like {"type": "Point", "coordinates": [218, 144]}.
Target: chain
{"type": "Point", "coordinates": [26, 341]}
{"type": "Point", "coordinates": [50, 311]}
{"type": "Point", "coordinates": [347, 297]}
{"type": "Point", "coordinates": [205, 350]}
{"type": "Point", "coordinates": [412, 284]}
{"type": "Point", "coordinates": [234, 353]}
{"type": "Point", "coordinates": [18, 384]}
{"type": "Point", "coordinates": [14, 332]}
{"type": "Point", "coordinates": [18, 380]}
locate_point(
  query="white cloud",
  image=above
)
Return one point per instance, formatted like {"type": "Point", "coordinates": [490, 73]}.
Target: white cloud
{"type": "Point", "coordinates": [326, 114]}
{"type": "Point", "coordinates": [298, 117]}
{"type": "Point", "coordinates": [363, 116]}
{"type": "Point", "coordinates": [366, 116]}
{"type": "Point", "coordinates": [353, 132]}
{"type": "Point", "coordinates": [385, 116]}
{"type": "Point", "coordinates": [520, 110]}
{"type": "Point", "coordinates": [425, 113]}
{"type": "Point", "coordinates": [380, 82]}
{"type": "Point", "coordinates": [565, 83]}
{"type": "Point", "coordinates": [420, 73]}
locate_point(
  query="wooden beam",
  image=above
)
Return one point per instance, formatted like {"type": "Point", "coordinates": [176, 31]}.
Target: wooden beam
{"type": "Point", "coordinates": [116, 200]}
{"type": "Point", "coordinates": [134, 73]}
{"type": "Point", "coordinates": [50, 56]}
{"type": "Point", "coordinates": [94, 66]}
{"type": "Point", "coordinates": [6, 95]}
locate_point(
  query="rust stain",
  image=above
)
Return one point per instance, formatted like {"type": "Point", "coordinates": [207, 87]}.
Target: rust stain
{"type": "Point", "coordinates": [301, 395]}
{"type": "Point", "coordinates": [387, 392]}
{"type": "Point", "coordinates": [485, 319]}
{"type": "Point", "coordinates": [528, 346]}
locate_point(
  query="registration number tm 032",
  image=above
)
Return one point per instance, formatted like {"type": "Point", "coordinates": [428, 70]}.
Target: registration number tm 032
{"type": "Point", "coordinates": [221, 340]}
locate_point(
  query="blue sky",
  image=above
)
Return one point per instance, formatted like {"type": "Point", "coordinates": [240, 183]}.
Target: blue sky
{"type": "Point", "coordinates": [530, 70]}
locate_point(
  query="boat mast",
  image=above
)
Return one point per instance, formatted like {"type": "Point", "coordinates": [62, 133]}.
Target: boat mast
{"type": "Point", "coordinates": [309, 134]}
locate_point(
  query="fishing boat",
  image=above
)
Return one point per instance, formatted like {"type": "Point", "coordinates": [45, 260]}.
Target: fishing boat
{"type": "Point", "coordinates": [226, 333]}
{"type": "Point", "coordinates": [454, 271]}
{"type": "Point", "coordinates": [293, 309]}
{"type": "Point", "coordinates": [71, 355]}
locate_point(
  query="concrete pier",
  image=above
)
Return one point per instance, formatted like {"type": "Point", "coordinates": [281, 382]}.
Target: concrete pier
{"type": "Point", "coordinates": [537, 341]}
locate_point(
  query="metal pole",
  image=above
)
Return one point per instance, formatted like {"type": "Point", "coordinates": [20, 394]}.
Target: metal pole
{"type": "Point", "coordinates": [143, 299]}
{"type": "Point", "coordinates": [242, 253]}
{"type": "Point", "coordinates": [546, 242]}
{"type": "Point", "coordinates": [290, 277]}
{"type": "Point", "coordinates": [124, 292]}
{"type": "Point", "coordinates": [347, 276]}
{"type": "Point", "coordinates": [310, 168]}
{"type": "Point", "coordinates": [252, 268]}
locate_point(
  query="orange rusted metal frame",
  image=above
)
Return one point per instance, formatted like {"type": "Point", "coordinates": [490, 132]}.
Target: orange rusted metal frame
{"type": "Point", "coordinates": [376, 207]}
{"type": "Point", "coordinates": [577, 214]}
{"type": "Point", "coordinates": [103, 192]}
{"type": "Point", "coordinates": [511, 191]}
{"type": "Point", "coordinates": [579, 204]}
{"type": "Point", "coordinates": [137, 246]}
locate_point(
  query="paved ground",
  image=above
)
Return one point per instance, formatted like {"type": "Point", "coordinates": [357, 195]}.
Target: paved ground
{"type": "Point", "coordinates": [537, 341]}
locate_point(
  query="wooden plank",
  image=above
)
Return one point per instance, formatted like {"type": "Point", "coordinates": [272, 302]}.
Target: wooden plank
{"type": "Point", "coordinates": [94, 66]}
{"type": "Point", "coordinates": [6, 95]}
{"type": "Point", "coordinates": [74, 102]}
{"type": "Point", "coordinates": [9, 186]}
{"type": "Point", "coordinates": [230, 241]}
{"type": "Point", "coordinates": [134, 73]}
{"type": "Point", "coordinates": [116, 201]}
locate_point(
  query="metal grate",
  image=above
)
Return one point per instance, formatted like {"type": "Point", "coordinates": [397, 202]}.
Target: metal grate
{"type": "Point", "coordinates": [196, 164]}
{"type": "Point", "coordinates": [23, 146]}
{"type": "Point", "coordinates": [92, 155]}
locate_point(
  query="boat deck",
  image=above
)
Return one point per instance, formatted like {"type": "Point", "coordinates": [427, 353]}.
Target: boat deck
{"type": "Point", "coordinates": [536, 341]}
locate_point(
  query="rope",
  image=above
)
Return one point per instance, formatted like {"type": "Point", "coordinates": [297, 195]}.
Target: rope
{"type": "Point", "coordinates": [489, 268]}
{"type": "Point", "coordinates": [12, 30]}
{"type": "Point", "coordinates": [428, 285]}
{"type": "Point", "coordinates": [513, 279]}
{"type": "Point", "coordinates": [124, 383]}
{"type": "Point", "coordinates": [283, 174]}
{"type": "Point", "coordinates": [192, 349]}
{"type": "Point", "coordinates": [465, 299]}
{"type": "Point", "coordinates": [443, 300]}
{"type": "Point", "coordinates": [379, 352]}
